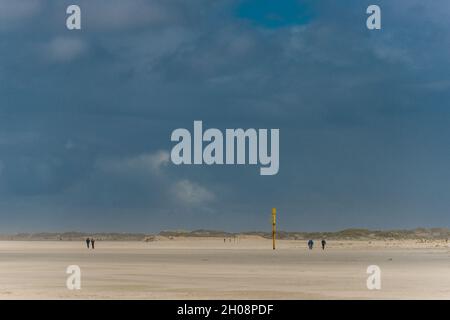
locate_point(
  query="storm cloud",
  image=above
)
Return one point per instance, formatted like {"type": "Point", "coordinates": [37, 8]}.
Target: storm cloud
{"type": "Point", "coordinates": [86, 115]}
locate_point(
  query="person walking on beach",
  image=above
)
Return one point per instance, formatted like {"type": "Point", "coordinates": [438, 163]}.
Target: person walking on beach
{"type": "Point", "coordinates": [310, 244]}
{"type": "Point", "coordinates": [87, 242]}
{"type": "Point", "coordinates": [324, 243]}
{"type": "Point", "coordinates": [93, 243]}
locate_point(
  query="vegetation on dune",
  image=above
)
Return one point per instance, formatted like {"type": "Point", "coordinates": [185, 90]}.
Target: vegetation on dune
{"type": "Point", "coordinates": [347, 234]}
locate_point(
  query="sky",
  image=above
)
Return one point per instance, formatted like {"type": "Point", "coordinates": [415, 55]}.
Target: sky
{"type": "Point", "coordinates": [86, 115]}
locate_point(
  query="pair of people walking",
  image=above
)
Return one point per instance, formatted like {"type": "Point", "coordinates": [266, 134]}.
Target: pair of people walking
{"type": "Point", "coordinates": [90, 242]}
{"type": "Point", "coordinates": [311, 244]}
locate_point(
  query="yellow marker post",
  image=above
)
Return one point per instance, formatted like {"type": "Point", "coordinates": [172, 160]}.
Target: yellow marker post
{"type": "Point", "coordinates": [274, 223]}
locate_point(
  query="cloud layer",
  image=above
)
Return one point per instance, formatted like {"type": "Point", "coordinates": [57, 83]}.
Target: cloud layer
{"type": "Point", "coordinates": [363, 121]}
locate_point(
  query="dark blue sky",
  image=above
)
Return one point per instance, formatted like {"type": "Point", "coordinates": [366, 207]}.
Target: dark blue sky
{"type": "Point", "coordinates": [86, 116]}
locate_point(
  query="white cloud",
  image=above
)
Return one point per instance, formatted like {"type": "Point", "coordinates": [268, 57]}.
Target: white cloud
{"type": "Point", "coordinates": [17, 10]}
{"type": "Point", "coordinates": [18, 14]}
{"type": "Point", "coordinates": [191, 193]}
{"type": "Point", "coordinates": [149, 163]}
{"type": "Point", "coordinates": [153, 162]}
{"type": "Point", "coordinates": [63, 49]}
{"type": "Point", "coordinates": [150, 167]}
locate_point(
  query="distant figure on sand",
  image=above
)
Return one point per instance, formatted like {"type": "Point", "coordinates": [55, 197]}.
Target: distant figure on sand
{"type": "Point", "coordinates": [87, 242]}
{"type": "Point", "coordinates": [324, 243]}
{"type": "Point", "coordinates": [310, 244]}
{"type": "Point", "coordinates": [93, 243]}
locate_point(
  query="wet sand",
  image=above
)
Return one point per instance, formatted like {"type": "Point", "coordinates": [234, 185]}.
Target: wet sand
{"type": "Point", "coordinates": [189, 268]}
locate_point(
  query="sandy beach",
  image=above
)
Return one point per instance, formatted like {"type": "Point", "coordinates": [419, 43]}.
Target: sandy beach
{"type": "Point", "coordinates": [208, 268]}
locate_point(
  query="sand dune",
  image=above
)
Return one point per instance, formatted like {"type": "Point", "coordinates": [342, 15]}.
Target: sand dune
{"type": "Point", "coordinates": [208, 268]}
